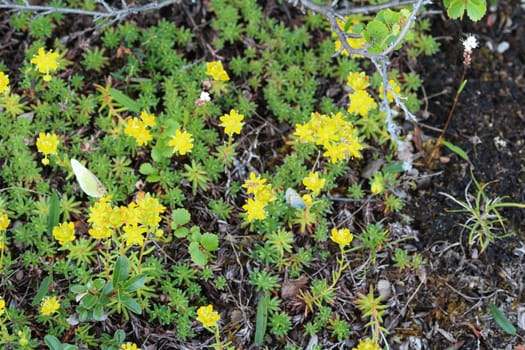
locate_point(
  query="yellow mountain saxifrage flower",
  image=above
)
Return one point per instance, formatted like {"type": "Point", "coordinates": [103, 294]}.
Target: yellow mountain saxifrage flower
{"type": "Point", "coordinates": [254, 210]}
{"type": "Point", "coordinates": [149, 209]}
{"type": "Point", "coordinates": [4, 221]}
{"type": "Point", "coordinates": [4, 83]}
{"type": "Point", "coordinates": [343, 237]}
{"type": "Point", "coordinates": [148, 119]}
{"type": "Point", "coordinates": [2, 306]}
{"type": "Point", "coordinates": [46, 62]}
{"type": "Point", "coordinates": [389, 95]}
{"type": "Point", "coordinates": [49, 306]}
{"type": "Point", "coordinates": [216, 71]}
{"type": "Point", "coordinates": [182, 142]}
{"type": "Point", "coordinates": [207, 316]}
{"type": "Point", "coordinates": [264, 194]}
{"type": "Point", "coordinates": [355, 43]}
{"type": "Point", "coordinates": [358, 81]}
{"type": "Point", "coordinates": [377, 184]}
{"type": "Point", "coordinates": [367, 344]}
{"type": "Point", "coordinates": [314, 183]}
{"type": "Point", "coordinates": [253, 183]}
{"type": "Point", "coordinates": [335, 152]}
{"type": "Point", "coordinates": [47, 144]}
{"type": "Point", "coordinates": [232, 123]}
{"type": "Point", "coordinates": [361, 102]}
{"type": "Point", "coordinates": [65, 232]}
{"type": "Point", "coordinates": [102, 219]}
{"type": "Point", "coordinates": [137, 129]}
{"type": "Point", "coordinates": [134, 235]}
{"type": "Point", "coordinates": [129, 346]}
{"type": "Point", "coordinates": [305, 133]}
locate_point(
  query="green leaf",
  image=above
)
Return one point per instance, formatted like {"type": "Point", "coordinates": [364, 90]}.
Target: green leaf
{"type": "Point", "coordinates": [197, 255]}
{"type": "Point", "coordinates": [376, 30]}
{"type": "Point", "coordinates": [261, 319]}
{"type": "Point", "coordinates": [119, 336]}
{"type": "Point", "coordinates": [181, 232]}
{"type": "Point", "coordinates": [125, 100]}
{"type": "Point", "coordinates": [42, 290]}
{"type": "Point", "coordinates": [389, 17]}
{"type": "Point", "coordinates": [180, 217]}
{"type": "Point", "coordinates": [131, 304]}
{"type": "Point", "coordinates": [501, 319]}
{"type": "Point", "coordinates": [135, 283]}
{"type": "Point", "coordinates": [52, 342]}
{"type": "Point", "coordinates": [98, 313]}
{"type": "Point", "coordinates": [121, 271]}
{"type": "Point", "coordinates": [394, 168]}
{"type": "Point", "coordinates": [88, 301]}
{"type": "Point", "coordinates": [460, 152]}
{"type": "Point", "coordinates": [147, 169]}
{"type": "Point", "coordinates": [476, 9]}
{"type": "Point", "coordinates": [455, 9]}
{"type": "Point", "coordinates": [54, 212]}
{"type": "Point", "coordinates": [209, 241]}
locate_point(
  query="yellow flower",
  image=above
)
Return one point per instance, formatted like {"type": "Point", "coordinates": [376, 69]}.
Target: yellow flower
{"type": "Point", "coordinates": [343, 237]}
{"type": "Point", "coordinates": [254, 210]}
{"type": "Point", "coordinates": [49, 306]}
{"type": "Point", "coordinates": [181, 142]}
{"type": "Point", "coordinates": [2, 306]}
{"type": "Point", "coordinates": [65, 232]}
{"type": "Point", "coordinates": [129, 346]}
{"type": "Point", "coordinates": [264, 194]}
{"type": "Point", "coordinates": [23, 341]}
{"type": "Point", "coordinates": [4, 221]}
{"type": "Point", "coordinates": [314, 183]}
{"type": "Point", "coordinates": [377, 184]}
{"type": "Point", "coordinates": [389, 95]}
{"type": "Point", "coordinates": [367, 344]}
{"type": "Point", "coordinates": [361, 102]}
{"type": "Point", "coordinates": [149, 209]}
{"type": "Point", "coordinates": [335, 151]}
{"type": "Point", "coordinates": [216, 70]}
{"type": "Point", "coordinates": [253, 183]}
{"type": "Point", "coordinates": [134, 235]}
{"type": "Point", "coordinates": [207, 316]}
{"type": "Point", "coordinates": [47, 144]}
{"type": "Point", "coordinates": [148, 119]}
{"type": "Point", "coordinates": [100, 232]}
{"type": "Point", "coordinates": [304, 132]}
{"type": "Point", "coordinates": [4, 83]}
{"type": "Point", "coordinates": [232, 123]}
{"type": "Point", "coordinates": [46, 62]}
{"type": "Point", "coordinates": [137, 129]}
{"type": "Point", "coordinates": [358, 81]}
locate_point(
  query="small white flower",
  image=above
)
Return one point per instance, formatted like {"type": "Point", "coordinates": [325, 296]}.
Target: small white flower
{"type": "Point", "coordinates": [470, 43]}
{"type": "Point", "coordinates": [205, 97]}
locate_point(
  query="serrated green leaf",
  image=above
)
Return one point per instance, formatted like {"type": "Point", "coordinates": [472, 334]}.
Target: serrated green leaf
{"type": "Point", "coordinates": [197, 255]}
{"type": "Point", "coordinates": [476, 9]}
{"type": "Point", "coordinates": [125, 100]}
{"type": "Point", "coordinates": [181, 232]}
{"type": "Point", "coordinates": [209, 241]}
{"type": "Point", "coordinates": [456, 8]}
{"type": "Point", "coordinates": [501, 319]}
{"type": "Point", "coordinates": [388, 16]}
{"type": "Point", "coordinates": [180, 217]}
{"type": "Point", "coordinates": [376, 31]}
{"type": "Point", "coordinates": [147, 169]}
{"type": "Point", "coordinates": [261, 319]}
{"type": "Point", "coordinates": [121, 271]}
{"type": "Point", "coordinates": [54, 212]}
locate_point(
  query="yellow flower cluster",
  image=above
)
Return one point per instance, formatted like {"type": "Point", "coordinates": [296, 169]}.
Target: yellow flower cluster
{"type": "Point", "coordinates": [137, 218]}
{"type": "Point", "coordinates": [46, 62]}
{"type": "Point", "coordinates": [129, 346]}
{"type": "Point", "coordinates": [182, 142]}
{"type": "Point", "coordinates": [65, 232]}
{"type": "Point", "coordinates": [4, 221]}
{"type": "Point", "coordinates": [47, 144]}
{"type": "Point", "coordinates": [314, 183]}
{"type": "Point", "coordinates": [137, 128]}
{"type": "Point", "coordinates": [367, 344]}
{"type": "Point", "coordinates": [49, 306]}
{"type": "Point", "coordinates": [216, 71]}
{"type": "Point", "coordinates": [338, 136]}
{"type": "Point", "coordinates": [355, 43]}
{"type": "Point", "coordinates": [360, 100]}
{"type": "Point", "coordinates": [232, 123]}
{"type": "Point", "coordinates": [2, 306]}
{"type": "Point", "coordinates": [389, 95]}
{"type": "Point", "coordinates": [262, 195]}
{"type": "Point", "coordinates": [343, 237]}
{"type": "Point", "coordinates": [4, 83]}
{"type": "Point", "coordinates": [207, 316]}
